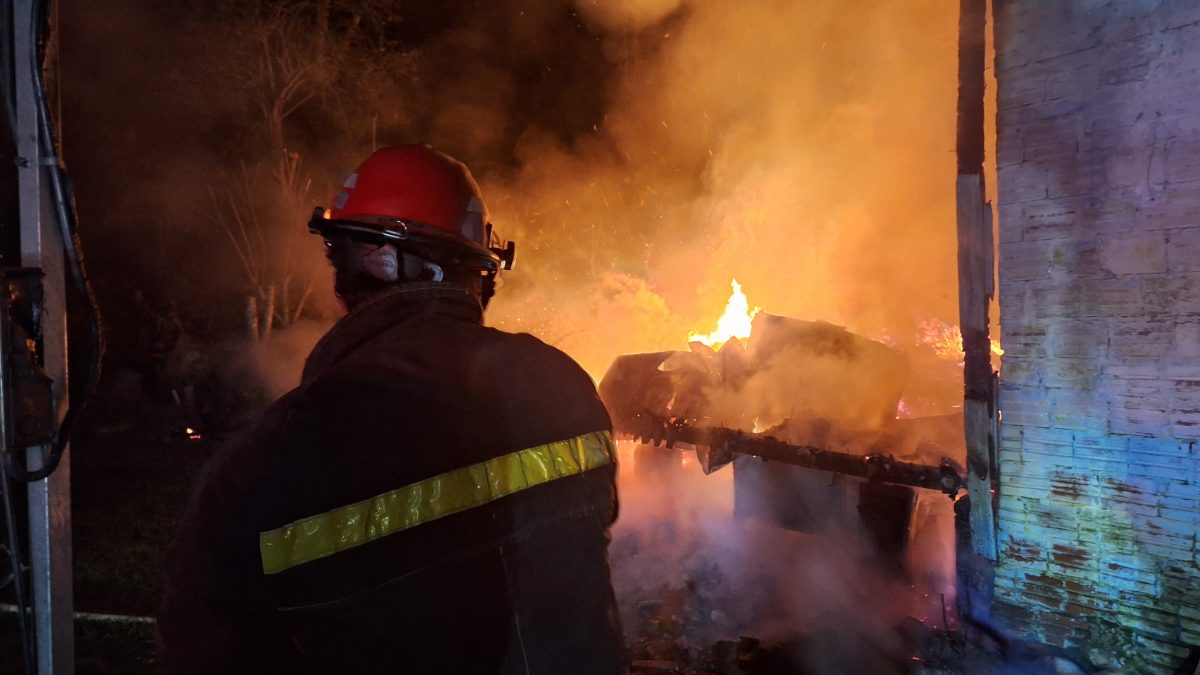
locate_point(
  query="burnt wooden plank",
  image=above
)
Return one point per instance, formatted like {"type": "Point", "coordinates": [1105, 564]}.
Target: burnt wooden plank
{"type": "Point", "coordinates": [977, 422]}
{"type": "Point", "coordinates": [976, 280]}
{"type": "Point", "coordinates": [716, 446]}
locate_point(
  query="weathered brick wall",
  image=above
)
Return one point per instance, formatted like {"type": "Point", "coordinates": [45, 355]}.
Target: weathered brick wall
{"type": "Point", "coordinates": [1099, 198]}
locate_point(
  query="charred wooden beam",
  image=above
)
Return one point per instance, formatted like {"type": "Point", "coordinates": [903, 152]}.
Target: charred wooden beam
{"type": "Point", "coordinates": [972, 21]}
{"type": "Point", "coordinates": [717, 446]}
{"type": "Point", "coordinates": [975, 516]}
{"type": "Point", "coordinates": [976, 285]}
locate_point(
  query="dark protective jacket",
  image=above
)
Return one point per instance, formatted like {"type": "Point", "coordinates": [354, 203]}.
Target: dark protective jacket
{"type": "Point", "coordinates": [434, 497]}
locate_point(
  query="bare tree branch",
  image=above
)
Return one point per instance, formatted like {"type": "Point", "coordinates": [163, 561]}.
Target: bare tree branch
{"type": "Point", "coordinates": [291, 52]}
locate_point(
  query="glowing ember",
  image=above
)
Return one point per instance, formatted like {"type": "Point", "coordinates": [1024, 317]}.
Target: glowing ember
{"type": "Point", "coordinates": [734, 323]}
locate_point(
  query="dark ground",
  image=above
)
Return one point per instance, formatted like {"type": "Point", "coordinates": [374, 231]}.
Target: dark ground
{"type": "Point", "coordinates": [101, 647]}
{"type": "Point", "coordinates": [131, 474]}
{"type": "Point", "coordinates": [128, 491]}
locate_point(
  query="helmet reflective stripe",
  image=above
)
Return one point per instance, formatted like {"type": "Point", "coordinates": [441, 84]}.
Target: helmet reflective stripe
{"type": "Point", "coordinates": [472, 222]}
{"type": "Point", "coordinates": [339, 200]}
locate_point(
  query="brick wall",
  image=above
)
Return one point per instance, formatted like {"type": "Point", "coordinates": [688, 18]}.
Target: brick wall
{"type": "Point", "coordinates": [1099, 202]}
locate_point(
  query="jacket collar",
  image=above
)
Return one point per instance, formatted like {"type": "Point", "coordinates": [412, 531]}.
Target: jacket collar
{"type": "Point", "coordinates": [385, 311]}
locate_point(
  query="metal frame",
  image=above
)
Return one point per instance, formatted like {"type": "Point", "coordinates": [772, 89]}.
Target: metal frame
{"type": "Point", "coordinates": [42, 247]}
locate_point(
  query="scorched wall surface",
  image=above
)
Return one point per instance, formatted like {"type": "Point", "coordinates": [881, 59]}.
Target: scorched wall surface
{"type": "Point", "coordinates": [1099, 203]}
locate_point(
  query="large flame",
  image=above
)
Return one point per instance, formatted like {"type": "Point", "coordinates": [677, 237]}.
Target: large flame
{"type": "Point", "coordinates": [734, 323]}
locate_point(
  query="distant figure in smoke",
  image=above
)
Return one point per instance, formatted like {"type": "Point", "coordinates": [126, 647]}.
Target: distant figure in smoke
{"type": "Point", "coordinates": [434, 497]}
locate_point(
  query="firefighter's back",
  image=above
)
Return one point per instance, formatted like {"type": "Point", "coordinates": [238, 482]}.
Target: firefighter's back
{"type": "Point", "coordinates": [458, 484]}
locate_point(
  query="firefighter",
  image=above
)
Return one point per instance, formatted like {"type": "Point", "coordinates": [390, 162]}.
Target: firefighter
{"type": "Point", "coordinates": [434, 497]}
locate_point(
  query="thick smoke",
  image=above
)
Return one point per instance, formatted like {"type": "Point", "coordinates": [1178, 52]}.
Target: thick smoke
{"type": "Point", "coordinates": [683, 565]}
{"type": "Point", "coordinates": [641, 152]}
{"type": "Point", "coordinates": [627, 14]}
{"type": "Point", "coordinates": [802, 148]}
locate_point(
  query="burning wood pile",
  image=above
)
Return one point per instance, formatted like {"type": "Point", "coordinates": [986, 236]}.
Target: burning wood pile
{"type": "Point", "coordinates": [838, 506]}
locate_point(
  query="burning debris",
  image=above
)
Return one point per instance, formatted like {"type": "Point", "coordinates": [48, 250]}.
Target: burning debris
{"type": "Point", "coordinates": [834, 530]}
{"type": "Point", "coordinates": [831, 397]}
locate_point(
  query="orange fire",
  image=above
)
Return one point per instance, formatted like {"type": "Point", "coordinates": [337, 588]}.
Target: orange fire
{"type": "Point", "coordinates": [734, 323]}
{"type": "Point", "coordinates": [946, 340]}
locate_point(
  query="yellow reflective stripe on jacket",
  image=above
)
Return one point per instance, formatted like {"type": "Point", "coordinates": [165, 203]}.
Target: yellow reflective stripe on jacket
{"type": "Point", "coordinates": [327, 533]}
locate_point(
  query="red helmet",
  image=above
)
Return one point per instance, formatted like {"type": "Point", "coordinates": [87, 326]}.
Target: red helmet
{"type": "Point", "coordinates": [415, 193]}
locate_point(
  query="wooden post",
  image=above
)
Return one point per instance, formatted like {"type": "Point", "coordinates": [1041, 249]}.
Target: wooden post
{"type": "Point", "coordinates": [975, 274]}
{"type": "Point", "coordinates": [976, 531]}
